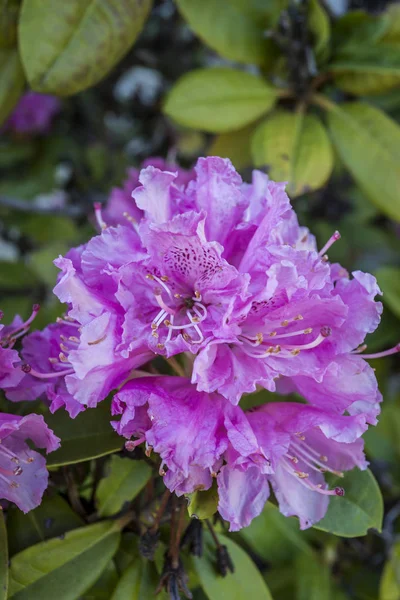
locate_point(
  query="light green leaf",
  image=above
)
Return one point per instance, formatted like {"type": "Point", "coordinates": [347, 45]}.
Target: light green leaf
{"type": "Point", "coordinates": [64, 568]}
{"type": "Point", "coordinates": [357, 27]}
{"type": "Point", "coordinates": [203, 504]}
{"type": "Point", "coordinates": [320, 27]}
{"type": "Point", "coordinates": [312, 577]}
{"type": "Point", "coordinates": [9, 10]}
{"type": "Point", "coordinates": [390, 582]}
{"type": "Point", "coordinates": [391, 19]}
{"type": "Point", "coordinates": [41, 262]}
{"type": "Point", "coordinates": [235, 145]}
{"type": "Point", "coordinates": [138, 582]}
{"type": "Point", "coordinates": [235, 29]}
{"type": "Point", "coordinates": [219, 99]}
{"type": "Point", "coordinates": [12, 81]}
{"type": "Point", "coordinates": [245, 582]}
{"type": "Point", "coordinates": [296, 148]}
{"type": "Point", "coordinates": [368, 142]}
{"type": "Point", "coordinates": [104, 586]}
{"type": "Point", "coordinates": [125, 479]}
{"type": "Point", "coordinates": [3, 558]}
{"type": "Point", "coordinates": [88, 436]}
{"type": "Point", "coordinates": [367, 69]}
{"type": "Point", "coordinates": [53, 517]}
{"type": "Point", "coordinates": [360, 509]}
{"type": "Point", "coordinates": [389, 282]}
{"type": "Point", "coordinates": [80, 41]}
{"type": "Point", "coordinates": [274, 537]}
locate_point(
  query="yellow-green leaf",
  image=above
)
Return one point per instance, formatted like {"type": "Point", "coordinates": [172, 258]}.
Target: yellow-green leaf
{"type": "Point", "coordinates": [390, 581]}
{"type": "Point", "coordinates": [219, 99]}
{"type": "Point", "coordinates": [368, 142]}
{"type": "Point", "coordinates": [9, 10]}
{"type": "Point", "coordinates": [234, 28]}
{"type": "Point", "coordinates": [80, 40]}
{"type": "Point", "coordinates": [64, 567]}
{"type": "Point", "coordinates": [367, 69]}
{"type": "Point", "coordinates": [12, 81]}
{"type": "Point", "coordinates": [320, 27]}
{"type": "Point", "coordinates": [245, 582]}
{"type": "Point", "coordinates": [203, 504]}
{"type": "Point", "coordinates": [295, 148]}
{"type": "Point", "coordinates": [125, 479]}
{"type": "Point", "coordinates": [3, 559]}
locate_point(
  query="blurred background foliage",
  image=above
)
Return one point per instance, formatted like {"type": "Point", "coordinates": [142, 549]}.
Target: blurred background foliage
{"type": "Point", "coordinates": [307, 90]}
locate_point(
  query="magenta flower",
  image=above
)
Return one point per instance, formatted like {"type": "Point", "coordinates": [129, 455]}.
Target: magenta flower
{"type": "Point", "coordinates": [121, 205]}
{"type": "Point", "coordinates": [23, 473]}
{"type": "Point", "coordinates": [33, 113]}
{"type": "Point", "coordinates": [45, 356]}
{"type": "Point", "coordinates": [10, 372]}
{"type": "Point", "coordinates": [200, 436]}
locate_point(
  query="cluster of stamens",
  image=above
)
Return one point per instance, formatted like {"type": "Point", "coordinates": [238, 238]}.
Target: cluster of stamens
{"type": "Point", "coordinates": [173, 308]}
{"type": "Point", "coordinates": [302, 452]}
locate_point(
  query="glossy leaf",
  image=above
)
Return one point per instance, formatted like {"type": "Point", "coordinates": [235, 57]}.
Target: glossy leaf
{"type": "Point", "coordinates": [245, 582]}
{"type": "Point", "coordinates": [104, 586]}
{"type": "Point", "coordinates": [138, 582]}
{"type": "Point", "coordinates": [274, 537]}
{"type": "Point", "coordinates": [123, 482]}
{"type": "Point", "coordinates": [320, 27]}
{"type": "Point", "coordinates": [64, 568]}
{"type": "Point", "coordinates": [367, 69]}
{"type": "Point", "coordinates": [89, 435]}
{"type": "Point", "coordinates": [54, 517]}
{"type": "Point", "coordinates": [390, 582]}
{"type": "Point", "coordinates": [203, 504]}
{"type": "Point", "coordinates": [368, 143]}
{"type": "Point", "coordinates": [360, 509]}
{"type": "Point", "coordinates": [389, 282]}
{"type": "Point", "coordinates": [235, 29]}
{"type": "Point", "coordinates": [3, 558]}
{"type": "Point", "coordinates": [12, 81]}
{"type": "Point", "coordinates": [235, 145]}
{"type": "Point", "coordinates": [219, 99]}
{"type": "Point", "coordinates": [294, 147]}
{"type": "Point", "coordinates": [79, 41]}
{"type": "Point", "coordinates": [9, 10]}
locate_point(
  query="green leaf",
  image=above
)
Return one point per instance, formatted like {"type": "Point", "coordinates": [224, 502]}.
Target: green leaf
{"type": "Point", "coordinates": [12, 81]}
{"type": "Point", "coordinates": [368, 142]}
{"type": "Point", "coordinates": [391, 18]}
{"type": "Point", "coordinates": [312, 577]}
{"type": "Point", "coordinates": [203, 504]}
{"type": "Point", "coordinates": [104, 586]}
{"type": "Point", "coordinates": [9, 10]}
{"type": "Point", "coordinates": [80, 42]}
{"type": "Point", "coordinates": [88, 436]}
{"type": "Point", "coordinates": [41, 262]}
{"type": "Point", "coordinates": [367, 69]}
{"type": "Point", "coordinates": [52, 518]}
{"type": "Point", "coordinates": [245, 582]}
{"type": "Point", "coordinates": [3, 558]}
{"type": "Point", "coordinates": [234, 28]}
{"type": "Point", "coordinates": [360, 509]}
{"type": "Point", "coordinates": [296, 148]}
{"type": "Point", "coordinates": [320, 27]}
{"type": "Point", "coordinates": [125, 479]}
{"type": "Point", "coordinates": [64, 568]}
{"type": "Point", "coordinates": [219, 99]}
{"type": "Point", "coordinates": [138, 582]}
{"type": "Point", "coordinates": [16, 276]}
{"type": "Point", "coordinates": [389, 282]}
{"type": "Point", "coordinates": [274, 537]}
{"type": "Point", "coordinates": [235, 145]}
{"type": "Point", "coordinates": [390, 582]}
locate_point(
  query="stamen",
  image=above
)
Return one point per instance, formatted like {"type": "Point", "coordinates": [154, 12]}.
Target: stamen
{"type": "Point", "coordinates": [28, 369]}
{"type": "Point", "coordinates": [161, 282]}
{"type": "Point", "coordinates": [336, 236]}
{"type": "Point", "coordinates": [97, 341]}
{"type": "Point", "coordinates": [98, 215]}
{"type": "Point", "coordinates": [292, 333]}
{"type": "Point", "coordinates": [318, 340]}
{"type": "Point", "coordinates": [164, 306]}
{"type": "Point", "coordinates": [130, 445]}
{"type": "Point", "coordinates": [393, 350]}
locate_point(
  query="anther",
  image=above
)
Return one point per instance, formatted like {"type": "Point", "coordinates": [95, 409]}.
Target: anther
{"type": "Point", "coordinates": [62, 357]}
{"type": "Point", "coordinates": [309, 330]}
{"type": "Point", "coordinates": [149, 276]}
{"type": "Point", "coordinates": [164, 278]}
{"type": "Point", "coordinates": [197, 295]}
{"type": "Point", "coordinates": [295, 352]}
{"type": "Point", "coordinates": [285, 323]}
{"type": "Point", "coordinates": [298, 318]}
{"type": "Point", "coordinates": [272, 334]}
{"type": "Point", "coordinates": [177, 295]}
{"type": "Point", "coordinates": [301, 474]}
{"type": "Point", "coordinates": [160, 346]}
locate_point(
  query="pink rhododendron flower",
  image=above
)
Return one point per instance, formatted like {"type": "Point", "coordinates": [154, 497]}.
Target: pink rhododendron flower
{"type": "Point", "coordinates": [33, 113]}
{"type": "Point", "coordinates": [23, 473]}
{"type": "Point", "coordinates": [200, 436]}
{"type": "Point", "coordinates": [222, 270]}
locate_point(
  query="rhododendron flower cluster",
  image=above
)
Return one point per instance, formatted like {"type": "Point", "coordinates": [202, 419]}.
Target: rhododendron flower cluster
{"type": "Point", "coordinates": [33, 113]}
{"type": "Point", "coordinates": [219, 272]}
